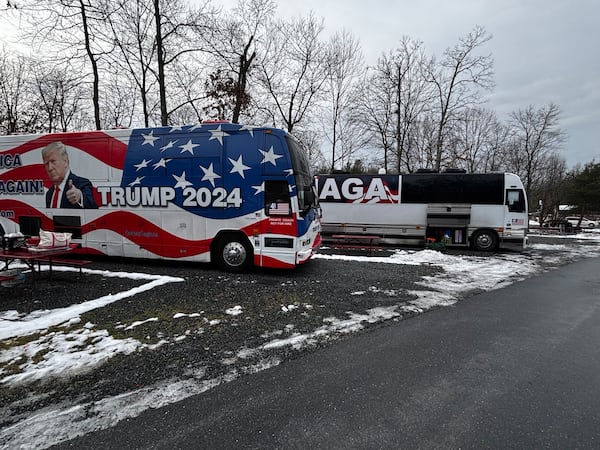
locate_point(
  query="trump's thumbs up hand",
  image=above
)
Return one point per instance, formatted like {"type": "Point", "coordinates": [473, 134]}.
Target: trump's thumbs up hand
{"type": "Point", "coordinates": [73, 194]}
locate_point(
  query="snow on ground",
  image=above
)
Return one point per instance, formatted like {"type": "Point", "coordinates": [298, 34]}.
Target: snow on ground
{"type": "Point", "coordinates": [64, 353]}
{"type": "Point", "coordinates": [14, 324]}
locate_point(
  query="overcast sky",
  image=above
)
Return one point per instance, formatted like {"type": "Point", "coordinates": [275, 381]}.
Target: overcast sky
{"type": "Point", "coordinates": [544, 50]}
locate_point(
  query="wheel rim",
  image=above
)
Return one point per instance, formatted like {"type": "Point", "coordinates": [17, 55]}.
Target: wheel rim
{"type": "Point", "coordinates": [234, 254]}
{"type": "Point", "coordinates": [484, 241]}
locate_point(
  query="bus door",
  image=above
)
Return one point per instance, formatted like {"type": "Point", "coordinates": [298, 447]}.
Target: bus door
{"type": "Point", "coordinates": [516, 213]}
{"type": "Point", "coordinates": [280, 229]}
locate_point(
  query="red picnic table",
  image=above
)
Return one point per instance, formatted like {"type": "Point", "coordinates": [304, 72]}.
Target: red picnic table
{"type": "Point", "coordinates": [357, 241]}
{"type": "Point", "coordinates": [32, 255]}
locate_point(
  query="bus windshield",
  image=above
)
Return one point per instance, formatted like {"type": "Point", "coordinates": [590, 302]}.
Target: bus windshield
{"type": "Point", "coordinates": [304, 179]}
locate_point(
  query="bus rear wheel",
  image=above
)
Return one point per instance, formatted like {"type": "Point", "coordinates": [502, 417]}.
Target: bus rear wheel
{"type": "Point", "coordinates": [233, 254]}
{"type": "Point", "coordinates": [485, 240]}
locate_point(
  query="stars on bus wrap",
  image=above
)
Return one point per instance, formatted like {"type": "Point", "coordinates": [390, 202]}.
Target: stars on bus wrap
{"type": "Point", "coordinates": [217, 134]}
{"type": "Point", "coordinates": [149, 138]}
{"type": "Point", "coordinates": [198, 158]}
{"type": "Point", "coordinates": [270, 157]}
{"type": "Point", "coordinates": [209, 174]}
{"type": "Point", "coordinates": [238, 166]}
{"type": "Point", "coordinates": [189, 147]}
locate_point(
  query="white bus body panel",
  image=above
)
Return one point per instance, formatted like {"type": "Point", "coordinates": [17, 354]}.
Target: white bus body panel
{"type": "Point", "coordinates": [409, 223]}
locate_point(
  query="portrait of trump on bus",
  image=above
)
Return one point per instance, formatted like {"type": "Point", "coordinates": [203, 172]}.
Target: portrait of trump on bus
{"type": "Point", "coordinates": [68, 190]}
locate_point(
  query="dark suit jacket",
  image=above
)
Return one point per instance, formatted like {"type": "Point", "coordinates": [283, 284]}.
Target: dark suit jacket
{"type": "Point", "coordinates": [83, 184]}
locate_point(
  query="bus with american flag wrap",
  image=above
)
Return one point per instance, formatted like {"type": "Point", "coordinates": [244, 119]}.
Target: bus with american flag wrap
{"type": "Point", "coordinates": [216, 192]}
{"type": "Point", "coordinates": [484, 211]}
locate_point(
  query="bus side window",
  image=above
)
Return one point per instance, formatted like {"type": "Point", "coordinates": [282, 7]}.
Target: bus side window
{"type": "Point", "coordinates": [515, 200]}
{"type": "Point", "coordinates": [277, 198]}
{"type": "Point", "coordinates": [30, 225]}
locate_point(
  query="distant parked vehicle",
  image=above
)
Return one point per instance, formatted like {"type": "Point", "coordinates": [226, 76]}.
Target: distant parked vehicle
{"type": "Point", "coordinates": [585, 223]}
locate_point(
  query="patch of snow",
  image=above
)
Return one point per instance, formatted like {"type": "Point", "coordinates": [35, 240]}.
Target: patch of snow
{"type": "Point", "coordinates": [141, 322]}
{"type": "Point", "coordinates": [235, 311]}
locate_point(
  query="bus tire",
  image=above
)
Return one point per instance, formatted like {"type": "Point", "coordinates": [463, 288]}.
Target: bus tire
{"type": "Point", "coordinates": [484, 240]}
{"type": "Point", "coordinates": [233, 253]}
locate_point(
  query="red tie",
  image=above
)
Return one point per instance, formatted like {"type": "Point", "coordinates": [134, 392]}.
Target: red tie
{"type": "Point", "coordinates": [55, 197]}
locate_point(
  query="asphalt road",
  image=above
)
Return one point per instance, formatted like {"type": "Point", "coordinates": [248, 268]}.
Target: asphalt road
{"type": "Point", "coordinates": [517, 367]}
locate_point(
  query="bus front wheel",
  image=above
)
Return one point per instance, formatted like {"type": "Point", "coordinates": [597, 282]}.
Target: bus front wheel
{"type": "Point", "coordinates": [233, 254]}
{"type": "Point", "coordinates": [485, 240]}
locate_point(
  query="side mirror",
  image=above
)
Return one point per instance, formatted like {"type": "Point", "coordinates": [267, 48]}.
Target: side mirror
{"type": "Point", "coordinates": [309, 197]}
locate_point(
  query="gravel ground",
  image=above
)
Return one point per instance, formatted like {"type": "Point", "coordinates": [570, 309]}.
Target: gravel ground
{"type": "Point", "coordinates": [182, 348]}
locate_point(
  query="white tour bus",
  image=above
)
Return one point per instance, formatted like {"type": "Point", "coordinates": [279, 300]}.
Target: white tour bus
{"type": "Point", "coordinates": [222, 192]}
{"type": "Point", "coordinates": [483, 211]}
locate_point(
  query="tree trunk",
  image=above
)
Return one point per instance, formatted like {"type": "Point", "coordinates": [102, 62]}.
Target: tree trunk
{"type": "Point", "coordinates": [240, 92]}
{"type": "Point", "coordinates": [160, 57]}
{"type": "Point", "coordinates": [96, 78]}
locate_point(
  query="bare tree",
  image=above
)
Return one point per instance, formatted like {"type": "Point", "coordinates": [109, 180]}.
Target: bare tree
{"type": "Point", "coordinates": [535, 137]}
{"type": "Point", "coordinates": [132, 29]}
{"type": "Point", "coordinates": [187, 85]}
{"type": "Point", "coordinates": [423, 150]}
{"type": "Point", "coordinates": [475, 139]}
{"type": "Point", "coordinates": [234, 42]}
{"type": "Point", "coordinates": [495, 157]}
{"type": "Point", "coordinates": [376, 105]}
{"type": "Point", "coordinates": [118, 101]}
{"type": "Point", "coordinates": [548, 192]}
{"type": "Point", "coordinates": [177, 25]}
{"type": "Point", "coordinates": [292, 72]}
{"type": "Point", "coordinates": [65, 30]}
{"type": "Point", "coordinates": [156, 39]}
{"type": "Point", "coordinates": [60, 94]}
{"type": "Point", "coordinates": [457, 82]}
{"type": "Point", "coordinates": [412, 94]}
{"type": "Point", "coordinates": [399, 85]}
{"type": "Point", "coordinates": [345, 68]}
{"type": "Point", "coordinates": [17, 99]}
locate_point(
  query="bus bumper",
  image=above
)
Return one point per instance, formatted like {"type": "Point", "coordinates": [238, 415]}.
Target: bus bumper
{"type": "Point", "coordinates": [303, 256]}
{"type": "Point", "coordinates": [305, 253]}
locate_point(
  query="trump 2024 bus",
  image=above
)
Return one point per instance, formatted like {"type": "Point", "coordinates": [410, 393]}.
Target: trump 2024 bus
{"type": "Point", "coordinates": [222, 192]}
{"type": "Point", "coordinates": [484, 211]}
